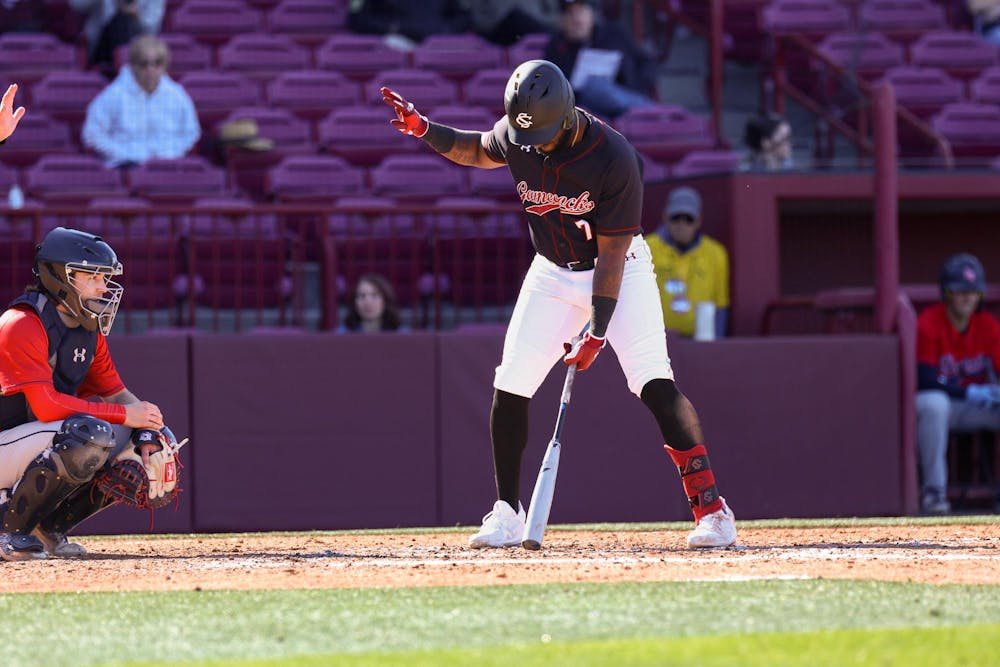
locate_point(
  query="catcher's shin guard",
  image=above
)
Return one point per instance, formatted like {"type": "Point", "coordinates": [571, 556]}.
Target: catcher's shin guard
{"type": "Point", "coordinates": [78, 450]}
{"type": "Point", "coordinates": [83, 503]}
{"type": "Point", "coordinates": [697, 478]}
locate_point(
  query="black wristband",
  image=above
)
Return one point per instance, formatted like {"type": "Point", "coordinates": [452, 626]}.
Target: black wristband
{"type": "Point", "coordinates": [439, 137]}
{"type": "Point", "coordinates": [602, 307]}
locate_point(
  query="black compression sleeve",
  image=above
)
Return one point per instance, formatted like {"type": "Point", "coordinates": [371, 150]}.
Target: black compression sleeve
{"type": "Point", "coordinates": [439, 137]}
{"type": "Point", "coordinates": [601, 308]}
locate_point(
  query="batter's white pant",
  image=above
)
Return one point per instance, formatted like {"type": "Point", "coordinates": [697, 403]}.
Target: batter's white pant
{"type": "Point", "coordinates": [555, 303]}
{"type": "Point", "coordinates": [937, 415]}
{"type": "Point", "coordinates": [20, 445]}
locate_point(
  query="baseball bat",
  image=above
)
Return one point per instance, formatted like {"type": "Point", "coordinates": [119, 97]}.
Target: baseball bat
{"type": "Point", "coordinates": [545, 484]}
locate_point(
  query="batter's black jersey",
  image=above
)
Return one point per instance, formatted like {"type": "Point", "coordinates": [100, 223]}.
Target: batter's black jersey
{"type": "Point", "coordinates": [571, 196]}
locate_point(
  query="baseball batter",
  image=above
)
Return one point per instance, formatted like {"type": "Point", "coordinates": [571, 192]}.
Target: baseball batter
{"type": "Point", "coordinates": [55, 446]}
{"type": "Point", "coordinates": [580, 183]}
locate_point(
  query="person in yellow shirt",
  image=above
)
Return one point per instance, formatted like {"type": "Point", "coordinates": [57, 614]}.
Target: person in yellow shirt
{"type": "Point", "coordinates": [692, 270]}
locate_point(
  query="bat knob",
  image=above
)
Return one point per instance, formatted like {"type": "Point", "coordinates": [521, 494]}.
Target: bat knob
{"type": "Point", "coordinates": [531, 545]}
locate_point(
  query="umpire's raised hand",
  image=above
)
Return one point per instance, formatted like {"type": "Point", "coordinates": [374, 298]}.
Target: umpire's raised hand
{"type": "Point", "coordinates": [8, 116]}
{"type": "Point", "coordinates": [408, 120]}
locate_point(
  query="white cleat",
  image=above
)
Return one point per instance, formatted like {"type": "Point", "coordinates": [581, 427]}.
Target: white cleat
{"type": "Point", "coordinates": [717, 529]}
{"type": "Point", "coordinates": [57, 545]}
{"type": "Point", "coordinates": [502, 527]}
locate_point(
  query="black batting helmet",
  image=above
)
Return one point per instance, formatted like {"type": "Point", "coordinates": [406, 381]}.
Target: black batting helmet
{"type": "Point", "coordinates": [62, 255]}
{"type": "Point", "coordinates": [539, 102]}
{"type": "Point", "coordinates": [962, 273]}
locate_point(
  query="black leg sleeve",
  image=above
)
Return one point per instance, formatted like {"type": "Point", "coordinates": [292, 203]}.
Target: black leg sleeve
{"type": "Point", "coordinates": [509, 433]}
{"type": "Point", "coordinates": [674, 414]}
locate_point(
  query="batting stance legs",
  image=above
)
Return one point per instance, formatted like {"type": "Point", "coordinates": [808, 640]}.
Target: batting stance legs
{"type": "Point", "coordinates": [554, 304]}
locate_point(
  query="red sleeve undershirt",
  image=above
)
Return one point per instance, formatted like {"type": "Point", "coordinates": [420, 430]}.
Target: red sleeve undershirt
{"type": "Point", "coordinates": [24, 368]}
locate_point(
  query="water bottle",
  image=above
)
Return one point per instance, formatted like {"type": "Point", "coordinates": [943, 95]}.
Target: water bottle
{"type": "Point", "coordinates": [15, 198]}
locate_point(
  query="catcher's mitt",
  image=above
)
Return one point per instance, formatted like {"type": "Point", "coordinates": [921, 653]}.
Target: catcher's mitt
{"type": "Point", "coordinates": [152, 486]}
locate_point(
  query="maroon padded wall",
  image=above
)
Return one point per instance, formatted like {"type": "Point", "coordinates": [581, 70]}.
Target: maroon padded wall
{"type": "Point", "coordinates": [319, 431]}
{"type": "Point", "coordinates": [307, 431]}
{"type": "Point", "coordinates": [155, 368]}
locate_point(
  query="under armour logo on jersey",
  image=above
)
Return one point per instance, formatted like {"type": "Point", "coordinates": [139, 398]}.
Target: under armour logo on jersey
{"type": "Point", "coordinates": [523, 120]}
{"type": "Point", "coordinates": [80, 354]}
{"type": "Point", "coordinates": [526, 148]}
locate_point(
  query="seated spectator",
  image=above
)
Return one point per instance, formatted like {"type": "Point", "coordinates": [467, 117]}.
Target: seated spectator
{"type": "Point", "coordinates": [373, 307]}
{"type": "Point", "coordinates": [769, 140]}
{"type": "Point", "coordinates": [692, 270]}
{"type": "Point", "coordinates": [143, 113]}
{"type": "Point", "coordinates": [985, 19]}
{"type": "Point", "coordinates": [958, 355]}
{"type": "Point", "coordinates": [112, 23]}
{"type": "Point", "coordinates": [9, 116]}
{"type": "Point", "coordinates": [609, 72]}
{"type": "Point", "coordinates": [504, 22]}
{"type": "Point", "coordinates": [405, 23]}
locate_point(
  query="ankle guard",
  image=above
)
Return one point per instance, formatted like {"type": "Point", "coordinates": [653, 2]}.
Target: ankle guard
{"type": "Point", "coordinates": [697, 478]}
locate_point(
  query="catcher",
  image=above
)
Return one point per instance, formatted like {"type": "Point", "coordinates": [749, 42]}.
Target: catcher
{"type": "Point", "coordinates": [63, 458]}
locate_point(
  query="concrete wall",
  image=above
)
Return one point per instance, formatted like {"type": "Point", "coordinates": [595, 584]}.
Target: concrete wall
{"type": "Point", "coordinates": [314, 431]}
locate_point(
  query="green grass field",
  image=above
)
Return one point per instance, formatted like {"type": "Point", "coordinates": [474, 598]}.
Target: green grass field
{"type": "Point", "coordinates": [753, 623]}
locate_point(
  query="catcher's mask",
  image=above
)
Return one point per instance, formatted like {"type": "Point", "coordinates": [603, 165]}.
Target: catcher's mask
{"type": "Point", "coordinates": [65, 263]}
{"type": "Point", "coordinates": [539, 103]}
{"type": "Point", "coordinates": [962, 273]}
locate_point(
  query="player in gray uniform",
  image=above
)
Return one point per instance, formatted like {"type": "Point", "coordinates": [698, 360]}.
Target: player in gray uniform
{"type": "Point", "coordinates": [580, 183]}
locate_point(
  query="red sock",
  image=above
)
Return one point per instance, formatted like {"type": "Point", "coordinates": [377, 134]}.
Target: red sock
{"type": "Point", "coordinates": [697, 478]}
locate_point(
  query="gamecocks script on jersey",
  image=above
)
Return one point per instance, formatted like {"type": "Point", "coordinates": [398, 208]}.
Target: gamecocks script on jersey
{"type": "Point", "coordinates": [544, 202]}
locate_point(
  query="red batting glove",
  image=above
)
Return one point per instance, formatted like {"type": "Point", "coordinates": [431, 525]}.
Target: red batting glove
{"type": "Point", "coordinates": [583, 351]}
{"type": "Point", "coordinates": [408, 120]}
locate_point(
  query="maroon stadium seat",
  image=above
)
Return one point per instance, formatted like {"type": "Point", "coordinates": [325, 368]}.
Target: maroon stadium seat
{"type": "Point", "coordinates": [186, 54]}
{"type": "Point", "coordinates": [923, 90]}
{"type": "Point", "coordinates": [868, 55]}
{"type": "Point", "coordinates": [27, 57]}
{"type": "Point", "coordinates": [664, 132]}
{"type": "Point", "coordinates": [901, 20]}
{"type": "Point", "coordinates": [815, 18]}
{"type": "Point", "coordinates": [65, 96]}
{"type": "Point", "coordinates": [215, 21]}
{"type": "Point", "coordinates": [972, 129]}
{"type": "Point", "coordinates": [424, 89]}
{"type": "Point", "coordinates": [37, 135]}
{"type": "Point", "coordinates": [358, 57]}
{"type": "Point", "coordinates": [307, 21]}
{"type": "Point", "coordinates": [312, 94]}
{"type": "Point", "coordinates": [72, 178]}
{"type": "Point", "coordinates": [363, 135]}
{"type": "Point", "coordinates": [179, 181]}
{"type": "Point", "coordinates": [417, 178]}
{"type": "Point", "coordinates": [263, 56]}
{"type": "Point", "coordinates": [493, 183]}
{"type": "Point", "coordinates": [457, 56]}
{"type": "Point", "coordinates": [960, 54]}
{"type": "Point", "coordinates": [215, 94]}
{"type": "Point", "coordinates": [314, 178]}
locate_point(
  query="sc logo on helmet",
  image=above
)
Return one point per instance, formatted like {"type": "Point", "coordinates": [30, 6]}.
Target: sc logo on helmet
{"type": "Point", "coordinates": [524, 120]}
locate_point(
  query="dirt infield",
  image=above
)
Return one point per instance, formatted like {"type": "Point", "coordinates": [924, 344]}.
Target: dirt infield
{"type": "Point", "coordinates": [967, 554]}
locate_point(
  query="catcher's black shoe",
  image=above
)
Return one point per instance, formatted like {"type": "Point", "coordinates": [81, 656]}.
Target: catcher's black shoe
{"type": "Point", "coordinates": [57, 545]}
{"type": "Point", "coordinates": [14, 547]}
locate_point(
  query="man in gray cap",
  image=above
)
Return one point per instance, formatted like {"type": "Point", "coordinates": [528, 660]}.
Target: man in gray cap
{"type": "Point", "coordinates": [691, 269]}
